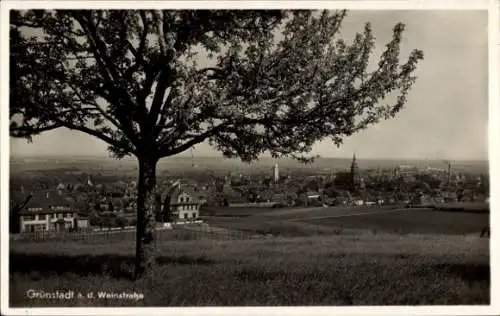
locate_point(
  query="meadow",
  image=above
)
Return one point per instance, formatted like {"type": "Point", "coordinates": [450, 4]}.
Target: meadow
{"type": "Point", "coordinates": [421, 221]}
{"type": "Point", "coordinates": [351, 220]}
{"type": "Point", "coordinates": [360, 269]}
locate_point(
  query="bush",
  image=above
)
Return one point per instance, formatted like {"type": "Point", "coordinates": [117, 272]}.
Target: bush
{"type": "Point", "coordinates": [96, 221]}
{"type": "Point", "coordinates": [121, 222]}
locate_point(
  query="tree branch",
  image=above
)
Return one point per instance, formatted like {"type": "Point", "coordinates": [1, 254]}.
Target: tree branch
{"type": "Point", "coordinates": [97, 107]}
{"type": "Point", "coordinates": [139, 53]}
{"type": "Point", "coordinates": [166, 149]}
{"type": "Point", "coordinates": [62, 123]}
{"type": "Point", "coordinates": [20, 206]}
{"type": "Point", "coordinates": [165, 79]}
{"type": "Point", "coordinates": [107, 69]}
{"type": "Point", "coordinates": [23, 131]}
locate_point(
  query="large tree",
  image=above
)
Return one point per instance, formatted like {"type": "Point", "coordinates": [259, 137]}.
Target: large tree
{"type": "Point", "coordinates": [272, 81]}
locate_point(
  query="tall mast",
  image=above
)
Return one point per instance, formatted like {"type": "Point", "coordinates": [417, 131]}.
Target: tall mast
{"type": "Point", "coordinates": [192, 157]}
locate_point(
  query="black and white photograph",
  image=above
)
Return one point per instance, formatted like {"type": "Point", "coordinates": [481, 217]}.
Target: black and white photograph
{"type": "Point", "coordinates": [196, 154]}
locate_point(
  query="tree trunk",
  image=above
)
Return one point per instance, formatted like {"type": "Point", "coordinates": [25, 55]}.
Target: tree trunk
{"type": "Point", "coordinates": [145, 235]}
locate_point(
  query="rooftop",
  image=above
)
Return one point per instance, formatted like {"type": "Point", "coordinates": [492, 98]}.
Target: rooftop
{"type": "Point", "coordinates": [46, 200]}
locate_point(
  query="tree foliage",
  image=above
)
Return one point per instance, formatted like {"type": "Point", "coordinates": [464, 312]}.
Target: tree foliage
{"type": "Point", "coordinates": [131, 79]}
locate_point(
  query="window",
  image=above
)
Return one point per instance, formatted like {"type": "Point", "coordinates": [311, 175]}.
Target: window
{"type": "Point", "coordinates": [42, 217]}
{"type": "Point", "coordinates": [29, 217]}
{"type": "Point", "coordinates": [194, 215]}
{"type": "Point", "coordinates": [187, 199]}
{"type": "Point", "coordinates": [182, 199]}
{"type": "Point", "coordinates": [69, 215]}
{"type": "Point", "coordinates": [183, 215]}
{"type": "Point", "coordinates": [60, 215]}
{"type": "Point", "coordinates": [29, 228]}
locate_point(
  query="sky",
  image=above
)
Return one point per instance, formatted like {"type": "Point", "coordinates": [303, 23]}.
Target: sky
{"type": "Point", "coordinates": [446, 115]}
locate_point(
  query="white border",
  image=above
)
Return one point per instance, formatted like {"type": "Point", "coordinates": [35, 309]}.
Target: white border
{"type": "Point", "coordinates": [252, 4]}
{"type": "Point", "coordinates": [494, 157]}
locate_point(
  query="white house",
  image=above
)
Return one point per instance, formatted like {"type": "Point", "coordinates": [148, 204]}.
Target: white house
{"type": "Point", "coordinates": [359, 202]}
{"type": "Point", "coordinates": [182, 202]}
{"type": "Point", "coordinates": [49, 211]}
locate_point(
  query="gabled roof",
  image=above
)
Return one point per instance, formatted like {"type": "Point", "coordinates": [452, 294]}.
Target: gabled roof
{"type": "Point", "coordinates": [172, 194]}
{"type": "Point", "coordinates": [46, 199]}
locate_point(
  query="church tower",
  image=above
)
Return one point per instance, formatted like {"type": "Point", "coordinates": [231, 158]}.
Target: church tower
{"type": "Point", "coordinates": [276, 173]}
{"type": "Point", "coordinates": [355, 173]}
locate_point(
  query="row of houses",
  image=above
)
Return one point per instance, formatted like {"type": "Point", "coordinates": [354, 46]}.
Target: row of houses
{"type": "Point", "coordinates": [52, 211]}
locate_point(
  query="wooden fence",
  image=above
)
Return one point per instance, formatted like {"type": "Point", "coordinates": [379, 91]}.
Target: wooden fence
{"type": "Point", "coordinates": [201, 232]}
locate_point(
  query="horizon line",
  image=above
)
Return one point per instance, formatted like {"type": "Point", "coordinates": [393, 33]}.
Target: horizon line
{"type": "Point", "coordinates": [224, 158]}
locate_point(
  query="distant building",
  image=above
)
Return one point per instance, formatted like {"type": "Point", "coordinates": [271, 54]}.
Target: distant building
{"type": "Point", "coordinates": [313, 195]}
{"type": "Point", "coordinates": [89, 181]}
{"type": "Point", "coordinates": [276, 173]}
{"type": "Point", "coordinates": [49, 211]}
{"type": "Point", "coordinates": [182, 203]}
{"type": "Point", "coordinates": [406, 170]}
{"type": "Point", "coordinates": [60, 186]}
{"type": "Point", "coordinates": [358, 202]}
{"type": "Point", "coordinates": [355, 178]}
{"type": "Point", "coordinates": [309, 198]}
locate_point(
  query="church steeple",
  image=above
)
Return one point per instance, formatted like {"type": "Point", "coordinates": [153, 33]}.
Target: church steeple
{"type": "Point", "coordinates": [354, 173]}
{"type": "Point", "coordinates": [354, 164]}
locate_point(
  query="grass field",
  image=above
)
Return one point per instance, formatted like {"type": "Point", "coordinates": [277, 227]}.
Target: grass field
{"type": "Point", "coordinates": [364, 269]}
{"type": "Point", "coordinates": [421, 221]}
{"type": "Point", "coordinates": [335, 220]}
{"type": "Point", "coordinates": [275, 227]}
{"type": "Point", "coordinates": [317, 256]}
{"type": "Point", "coordinates": [477, 207]}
